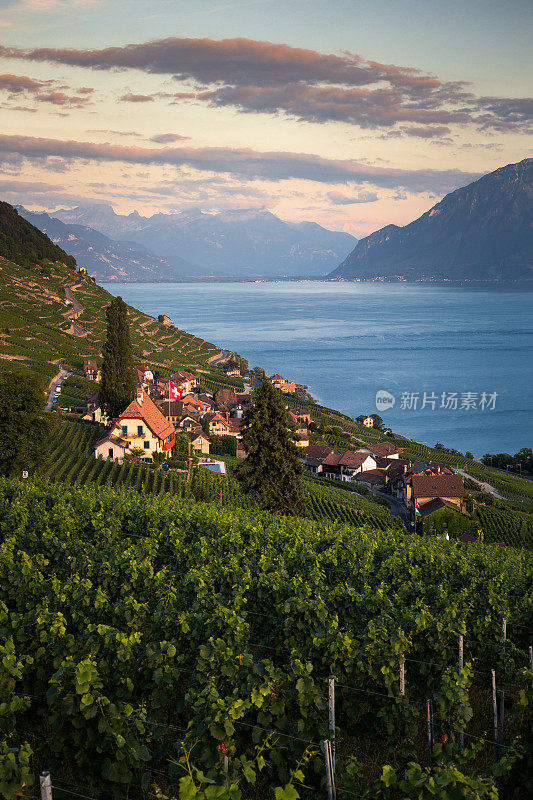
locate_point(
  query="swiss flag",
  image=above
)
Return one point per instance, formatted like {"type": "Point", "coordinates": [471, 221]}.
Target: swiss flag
{"type": "Point", "coordinates": [174, 392]}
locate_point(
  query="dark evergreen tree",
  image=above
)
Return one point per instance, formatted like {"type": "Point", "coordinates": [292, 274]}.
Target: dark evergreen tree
{"type": "Point", "coordinates": [117, 388]}
{"type": "Point", "coordinates": [25, 432]}
{"type": "Point", "coordinates": [272, 471]}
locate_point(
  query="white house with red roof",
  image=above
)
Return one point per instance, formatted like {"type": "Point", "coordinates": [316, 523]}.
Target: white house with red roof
{"type": "Point", "coordinates": [141, 425]}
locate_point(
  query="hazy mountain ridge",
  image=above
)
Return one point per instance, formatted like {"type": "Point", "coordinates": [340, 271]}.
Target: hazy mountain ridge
{"type": "Point", "coordinates": [239, 243]}
{"type": "Point", "coordinates": [104, 258]}
{"type": "Point", "coordinates": [483, 231]}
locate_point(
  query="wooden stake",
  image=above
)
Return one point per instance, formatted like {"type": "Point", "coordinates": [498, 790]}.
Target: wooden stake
{"type": "Point", "coordinates": [461, 651]}
{"type": "Point", "coordinates": [531, 657]}
{"type": "Point", "coordinates": [502, 698]}
{"type": "Point", "coordinates": [494, 713]}
{"type": "Point", "coordinates": [45, 782]}
{"type": "Point", "coordinates": [429, 729]}
{"type": "Point", "coordinates": [402, 677]}
{"type": "Point", "coordinates": [226, 770]}
{"type": "Point", "coordinates": [330, 777]}
{"type": "Point", "coordinates": [331, 707]}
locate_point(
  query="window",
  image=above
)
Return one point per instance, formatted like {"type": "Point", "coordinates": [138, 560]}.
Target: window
{"type": "Point", "coordinates": [125, 430]}
{"type": "Point", "coordinates": [146, 445]}
{"type": "Point", "coordinates": [140, 430]}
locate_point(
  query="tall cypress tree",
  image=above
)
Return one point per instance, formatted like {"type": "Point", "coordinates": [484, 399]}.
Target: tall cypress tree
{"type": "Point", "coordinates": [117, 388]}
{"type": "Point", "coordinates": [272, 471]}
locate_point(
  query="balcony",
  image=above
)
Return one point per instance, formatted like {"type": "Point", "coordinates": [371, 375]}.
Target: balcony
{"type": "Point", "coordinates": [168, 444]}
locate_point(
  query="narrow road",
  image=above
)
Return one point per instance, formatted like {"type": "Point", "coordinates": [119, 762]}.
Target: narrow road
{"type": "Point", "coordinates": [77, 309]}
{"type": "Point", "coordinates": [58, 380]}
{"type": "Point", "coordinates": [397, 507]}
{"type": "Point", "coordinates": [222, 356]}
{"type": "Point", "coordinates": [486, 486]}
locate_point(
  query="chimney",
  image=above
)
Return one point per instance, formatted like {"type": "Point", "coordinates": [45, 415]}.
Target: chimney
{"type": "Point", "coordinates": [140, 396]}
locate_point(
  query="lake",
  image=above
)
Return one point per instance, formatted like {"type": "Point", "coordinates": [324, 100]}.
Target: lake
{"type": "Point", "coordinates": [347, 341]}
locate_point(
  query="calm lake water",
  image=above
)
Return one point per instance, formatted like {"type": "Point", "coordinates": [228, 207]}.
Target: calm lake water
{"type": "Point", "coordinates": [347, 341]}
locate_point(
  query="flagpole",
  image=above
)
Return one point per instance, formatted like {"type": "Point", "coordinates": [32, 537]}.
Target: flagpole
{"type": "Point", "coordinates": [169, 398]}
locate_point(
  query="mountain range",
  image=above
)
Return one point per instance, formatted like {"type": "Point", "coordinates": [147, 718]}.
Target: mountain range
{"type": "Point", "coordinates": [483, 231]}
{"type": "Point", "coordinates": [103, 257]}
{"type": "Point", "coordinates": [245, 243]}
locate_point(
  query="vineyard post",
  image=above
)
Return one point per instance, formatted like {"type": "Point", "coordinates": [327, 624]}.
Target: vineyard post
{"type": "Point", "coordinates": [331, 708]}
{"type": "Point", "coordinates": [531, 657]}
{"type": "Point", "coordinates": [45, 782]}
{"type": "Point", "coordinates": [494, 713]}
{"type": "Point", "coordinates": [461, 651]}
{"type": "Point", "coordinates": [502, 697]}
{"type": "Point", "coordinates": [330, 778]}
{"type": "Point", "coordinates": [429, 728]}
{"type": "Point", "coordinates": [226, 769]}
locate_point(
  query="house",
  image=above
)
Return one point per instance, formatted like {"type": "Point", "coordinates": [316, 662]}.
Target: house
{"type": "Point", "coordinates": [199, 441]}
{"type": "Point", "coordinates": [354, 463]}
{"type": "Point", "coordinates": [142, 425]}
{"type": "Point", "coordinates": [192, 403]}
{"type": "Point", "coordinates": [279, 382]}
{"type": "Point", "coordinates": [220, 426]}
{"type": "Point", "coordinates": [366, 420]}
{"type": "Point", "coordinates": [232, 369]}
{"type": "Point", "coordinates": [185, 380]}
{"type": "Point", "coordinates": [189, 422]}
{"type": "Point", "coordinates": [144, 375]}
{"type": "Point", "coordinates": [334, 463]}
{"type": "Point", "coordinates": [165, 320]}
{"type": "Point", "coordinates": [373, 479]}
{"type": "Point", "coordinates": [90, 368]}
{"type": "Point", "coordinates": [111, 447]}
{"type": "Point", "coordinates": [93, 412]}
{"type": "Point", "coordinates": [382, 450]}
{"type": "Point", "coordinates": [173, 410]}
{"type": "Point", "coordinates": [403, 484]}
{"type": "Point", "coordinates": [429, 487]}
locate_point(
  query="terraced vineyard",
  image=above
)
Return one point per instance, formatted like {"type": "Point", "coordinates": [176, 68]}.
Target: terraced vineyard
{"type": "Point", "coordinates": [73, 462]}
{"type": "Point", "coordinates": [500, 525]}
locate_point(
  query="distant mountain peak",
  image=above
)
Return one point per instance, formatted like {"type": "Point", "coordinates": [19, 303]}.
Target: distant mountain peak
{"type": "Point", "coordinates": [483, 231]}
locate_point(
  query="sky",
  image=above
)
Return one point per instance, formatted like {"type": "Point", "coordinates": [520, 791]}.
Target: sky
{"type": "Point", "coordinates": [351, 113]}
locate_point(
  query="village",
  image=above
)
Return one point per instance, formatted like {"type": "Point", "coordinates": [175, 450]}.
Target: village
{"type": "Point", "coordinates": [177, 405]}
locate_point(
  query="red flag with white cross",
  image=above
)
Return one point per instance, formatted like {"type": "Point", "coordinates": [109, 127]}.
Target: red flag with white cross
{"type": "Point", "coordinates": [174, 391]}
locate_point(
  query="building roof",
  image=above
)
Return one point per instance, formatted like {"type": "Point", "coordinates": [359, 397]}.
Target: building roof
{"type": "Point", "coordinates": [437, 502]}
{"type": "Point", "coordinates": [195, 435]}
{"type": "Point", "coordinates": [353, 460]}
{"type": "Point", "coordinates": [111, 439]}
{"type": "Point", "coordinates": [147, 410]}
{"type": "Point", "coordinates": [372, 476]}
{"type": "Point", "coordinates": [382, 449]}
{"type": "Point", "coordinates": [321, 450]}
{"type": "Point", "coordinates": [438, 486]}
{"type": "Point", "coordinates": [90, 363]}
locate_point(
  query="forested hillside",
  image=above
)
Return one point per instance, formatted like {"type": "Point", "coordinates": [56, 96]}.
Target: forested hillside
{"type": "Point", "coordinates": [26, 245]}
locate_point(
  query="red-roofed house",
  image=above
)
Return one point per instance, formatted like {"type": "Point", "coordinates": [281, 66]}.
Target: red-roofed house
{"type": "Point", "coordinates": [382, 450]}
{"type": "Point", "coordinates": [141, 425]}
{"type": "Point", "coordinates": [279, 382]}
{"type": "Point", "coordinates": [425, 488]}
